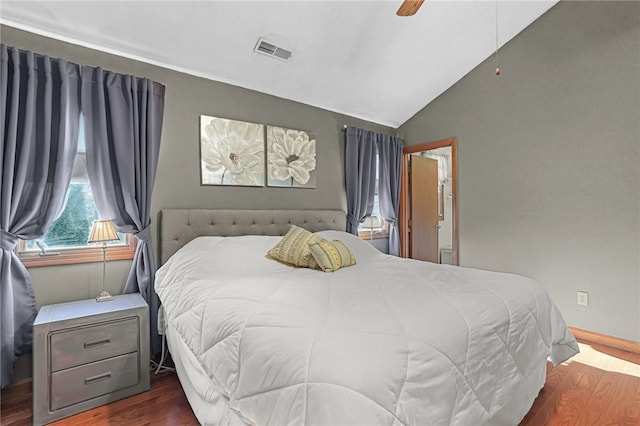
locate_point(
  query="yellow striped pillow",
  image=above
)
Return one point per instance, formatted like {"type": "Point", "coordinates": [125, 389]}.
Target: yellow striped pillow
{"type": "Point", "coordinates": [293, 248]}
{"type": "Point", "coordinates": [331, 255]}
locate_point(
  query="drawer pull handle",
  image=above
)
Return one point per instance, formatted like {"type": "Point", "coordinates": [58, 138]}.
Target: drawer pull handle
{"type": "Point", "coordinates": [89, 345]}
{"type": "Point", "coordinates": [99, 377]}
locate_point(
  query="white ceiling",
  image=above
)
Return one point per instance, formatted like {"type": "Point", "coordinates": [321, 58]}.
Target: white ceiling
{"type": "Point", "coordinates": [353, 57]}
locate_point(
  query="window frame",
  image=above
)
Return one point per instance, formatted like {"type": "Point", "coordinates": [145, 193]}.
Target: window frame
{"type": "Point", "coordinates": [76, 255]}
{"type": "Point", "coordinates": [368, 235]}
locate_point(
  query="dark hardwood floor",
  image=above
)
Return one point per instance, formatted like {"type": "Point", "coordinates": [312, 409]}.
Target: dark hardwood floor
{"type": "Point", "coordinates": [600, 386]}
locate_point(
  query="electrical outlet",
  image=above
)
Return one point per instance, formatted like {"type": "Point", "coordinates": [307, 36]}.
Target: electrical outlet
{"type": "Point", "coordinates": [583, 298]}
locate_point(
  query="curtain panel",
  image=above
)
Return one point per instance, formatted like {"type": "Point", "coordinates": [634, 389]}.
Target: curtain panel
{"type": "Point", "coordinates": [360, 171]}
{"type": "Point", "coordinates": [360, 174]}
{"type": "Point", "coordinates": [39, 120]}
{"type": "Point", "coordinates": [390, 167]}
{"type": "Point", "coordinates": [123, 126]}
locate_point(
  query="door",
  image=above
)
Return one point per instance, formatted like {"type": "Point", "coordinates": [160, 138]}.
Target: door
{"type": "Point", "coordinates": [423, 218]}
{"type": "Point", "coordinates": [451, 198]}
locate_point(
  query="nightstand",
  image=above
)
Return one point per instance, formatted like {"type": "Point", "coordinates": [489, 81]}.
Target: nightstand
{"type": "Point", "coordinates": [88, 353]}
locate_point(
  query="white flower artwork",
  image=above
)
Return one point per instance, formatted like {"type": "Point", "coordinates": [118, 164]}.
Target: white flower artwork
{"type": "Point", "coordinates": [291, 158]}
{"type": "Point", "coordinates": [231, 152]}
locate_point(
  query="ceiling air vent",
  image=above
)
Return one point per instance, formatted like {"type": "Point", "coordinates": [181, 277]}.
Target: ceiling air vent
{"type": "Point", "coordinates": [267, 48]}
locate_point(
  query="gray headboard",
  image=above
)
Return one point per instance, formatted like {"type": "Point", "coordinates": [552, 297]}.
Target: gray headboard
{"type": "Point", "coordinates": [179, 226]}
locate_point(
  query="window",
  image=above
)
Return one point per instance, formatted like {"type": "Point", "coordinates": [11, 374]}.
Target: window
{"type": "Point", "coordinates": [66, 240]}
{"type": "Point", "coordinates": [374, 226]}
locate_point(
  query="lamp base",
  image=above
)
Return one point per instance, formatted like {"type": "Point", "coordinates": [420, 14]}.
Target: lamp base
{"type": "Point", "coordinates": [104, 296]}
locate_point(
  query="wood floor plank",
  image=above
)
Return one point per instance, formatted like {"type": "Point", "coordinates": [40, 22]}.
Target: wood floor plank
{"type": "Point", "coordinates": [625, 405]}
{"type": "Point", "coordinates": [567, 397]}
{"type": "Point", "coordinates": [600, 400]}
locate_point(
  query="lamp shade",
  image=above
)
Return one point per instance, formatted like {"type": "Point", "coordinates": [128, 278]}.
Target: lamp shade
{"type": "Point", "coordinates": [102, 230]}
{"type": "Point", "coordinates": [372, 222]}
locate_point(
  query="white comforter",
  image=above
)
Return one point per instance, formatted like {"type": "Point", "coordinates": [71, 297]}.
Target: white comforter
{"type": "Point", "coordinates": [386, 342]}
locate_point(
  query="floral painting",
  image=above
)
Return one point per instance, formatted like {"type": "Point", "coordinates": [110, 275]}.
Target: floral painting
{"type": "Point", "coordinates": [291, 158]}
{"type": "Point", "coordinates": [231, 152]}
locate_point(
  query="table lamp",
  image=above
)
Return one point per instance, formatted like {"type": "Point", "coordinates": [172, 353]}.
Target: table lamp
{"type": "Point", "coordinates": [101, 232]}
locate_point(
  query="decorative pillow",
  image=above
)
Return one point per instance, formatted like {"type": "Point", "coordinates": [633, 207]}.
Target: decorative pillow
{"type": "Point", "coordinates": [331, 255]}
{"type": "Point", "coordinates": [293, 248]}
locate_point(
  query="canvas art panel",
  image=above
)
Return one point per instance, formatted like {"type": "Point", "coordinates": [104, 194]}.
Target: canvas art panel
{"type": "Point", "coordinates": [291, 158]}
{"type": "Point", "coordinates": [231, 152]}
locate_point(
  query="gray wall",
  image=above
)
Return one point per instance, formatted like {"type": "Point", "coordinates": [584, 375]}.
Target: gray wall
{"type": "Point", "coordinates": [178, 181]}
{"type": "Point", "coordinates": [549, 160]}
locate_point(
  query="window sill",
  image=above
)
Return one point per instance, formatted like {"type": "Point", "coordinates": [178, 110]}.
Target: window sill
{"type": "Point", "coordinates": [80, 255]}
{"type": "Point", "coordinates": [367, 235]}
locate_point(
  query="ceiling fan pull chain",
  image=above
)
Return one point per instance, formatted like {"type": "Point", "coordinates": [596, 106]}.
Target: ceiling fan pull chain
{"type": "Point", "coordinates": [497, 58]}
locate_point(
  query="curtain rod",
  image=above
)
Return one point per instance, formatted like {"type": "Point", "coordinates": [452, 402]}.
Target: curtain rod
{"type": "Point", "coordinates": [344, 129]}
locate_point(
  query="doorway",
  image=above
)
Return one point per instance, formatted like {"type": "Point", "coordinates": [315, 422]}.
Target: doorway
{"type": "Point", "coordinates": [428, 222]}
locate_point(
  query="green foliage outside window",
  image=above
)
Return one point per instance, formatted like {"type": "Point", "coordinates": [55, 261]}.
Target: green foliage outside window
{"type": "Point", "coordinates": [72, 228]}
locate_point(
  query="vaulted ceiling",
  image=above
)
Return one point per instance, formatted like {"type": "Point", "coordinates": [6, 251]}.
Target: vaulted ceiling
{"type": "Point", "coordinates": [353, 57]}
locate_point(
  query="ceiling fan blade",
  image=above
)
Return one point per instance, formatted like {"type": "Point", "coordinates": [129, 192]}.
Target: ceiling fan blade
{"type": "Point", "coordinates": [409, 7]}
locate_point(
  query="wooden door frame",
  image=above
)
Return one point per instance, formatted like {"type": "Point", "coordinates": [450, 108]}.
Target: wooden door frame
{"type": "Point", "coordinates": [404, 194]}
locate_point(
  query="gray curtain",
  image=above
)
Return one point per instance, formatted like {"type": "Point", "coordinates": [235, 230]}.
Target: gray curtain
{"type": "Point", "coordinates": [360, 174]}
{"type": "Point", "coordinates": [39, 117]}
{"type": "Point", "coordinates": [123, 125]}
{"type": "Point", "coordinates": [390, 163]}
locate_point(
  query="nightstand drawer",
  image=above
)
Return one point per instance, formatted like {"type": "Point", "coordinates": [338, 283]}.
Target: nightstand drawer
{"type": "Point", "coordinates": [92, 380]}
{"type": "Point", "coordinates": [87, 344]}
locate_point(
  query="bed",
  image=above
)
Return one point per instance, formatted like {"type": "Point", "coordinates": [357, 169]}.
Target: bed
{"type": "Point", "coordinates": [387, 341]}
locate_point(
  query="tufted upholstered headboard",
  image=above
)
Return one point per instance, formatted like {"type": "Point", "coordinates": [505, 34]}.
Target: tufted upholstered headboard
{"type": "Point", "coordinates": [179, 226]}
